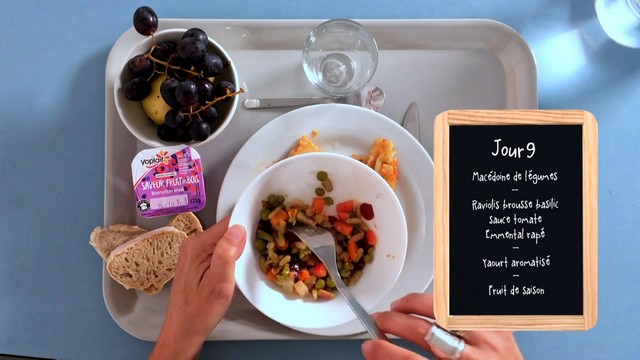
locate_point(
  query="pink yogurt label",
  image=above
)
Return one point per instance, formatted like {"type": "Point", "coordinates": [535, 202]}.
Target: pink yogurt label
{"type": "Point", "coordinates": [168, 180]}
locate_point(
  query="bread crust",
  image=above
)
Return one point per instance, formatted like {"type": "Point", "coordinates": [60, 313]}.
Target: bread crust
{"type": "Point", "coordinates": [104, 240]}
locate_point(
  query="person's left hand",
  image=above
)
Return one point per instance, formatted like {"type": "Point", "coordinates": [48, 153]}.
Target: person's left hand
{"type": "Point", "coordinates": [202, 290]}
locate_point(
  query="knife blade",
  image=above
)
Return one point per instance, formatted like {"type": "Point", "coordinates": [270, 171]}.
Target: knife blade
{"type": "Point", "coordinates": [411, 121]}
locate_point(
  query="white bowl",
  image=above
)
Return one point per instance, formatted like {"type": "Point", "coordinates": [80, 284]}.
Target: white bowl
{"type": "Point", "coordinates": [134, 117]}
{"type": "Point", "coordinates": [295, 177]}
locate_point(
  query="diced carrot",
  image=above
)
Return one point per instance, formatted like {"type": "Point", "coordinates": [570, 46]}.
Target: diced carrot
{"type": "Point", "coordinates": [343, 215]}
{"type": "Point", "coordinates": [279, 216]}
{"type": "Point", "coordinates": [372, 239]}
{"type": "Point", "coordinates": [343, 228]}
{"type": "Point", "coordinates": [271, 275]}
{"type": "Point", "coordinates": [292, 213]}
{"type": "Point", "coordinates": [317, 204]}
{"type": "Point", "coordinates": [303, 275]}
{"type": "Point", "coordinates": [352, 247]}
{"type": "Point", "coordinates": [319, 270]}
{"type": "Point", "coordinates": [346, 206]}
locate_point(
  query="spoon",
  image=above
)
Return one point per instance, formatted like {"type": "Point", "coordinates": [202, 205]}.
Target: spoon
{"type": "Point", "coordinates": [370, 97]}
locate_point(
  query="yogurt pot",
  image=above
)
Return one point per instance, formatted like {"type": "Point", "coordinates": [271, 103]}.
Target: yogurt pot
{"type": "Point", "coordinates": [168, 180]}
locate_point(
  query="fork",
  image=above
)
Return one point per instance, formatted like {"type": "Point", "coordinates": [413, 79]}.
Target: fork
{"type": "Point", "coordinates": [322, 243]}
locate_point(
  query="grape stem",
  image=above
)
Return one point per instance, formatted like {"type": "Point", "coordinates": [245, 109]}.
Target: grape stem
{"type": "Point", "coordinates": [209, 103]}
{"type": "Point", "coordinates": [166, 63]}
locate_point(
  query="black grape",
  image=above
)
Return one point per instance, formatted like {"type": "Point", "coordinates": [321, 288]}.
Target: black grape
{"type": "Point", "coordinates": [209, 114]}
{"type": "Point", "coordinates": [173, 118]}
{"type": "Point", "coordinates": [167, 133]}
{"type": "Point", "coordinates": [198, 34]}
{"type": "Point", "coordinates": [163, 50]}
{"type": "Point", "coordinates": [210, 64]}
{"type": "Point", "coordinates": [141, 66]}
{"type": "Point", "coordinates": [205, 90]}
{"type": "Point", "coordinates": [137, 89]}
{"type": "Point", "coordinates": [182, 132]}
{"type": "Point", "coordinates": [187, 93]}
{"type": "Point", "coordinates": [199, 130]}
{"type": "Point", "coordinates": [222, 88]}
{"type": "Point", "coordinates": [191, 49]}
{"type": "Point", "coordinates": [168, 92]}
{"type": "Point", "coordinates": [145, 20]}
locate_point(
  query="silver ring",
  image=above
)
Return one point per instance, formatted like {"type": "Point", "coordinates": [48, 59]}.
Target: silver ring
{"type": "Point", "coordinates": [451, 345]}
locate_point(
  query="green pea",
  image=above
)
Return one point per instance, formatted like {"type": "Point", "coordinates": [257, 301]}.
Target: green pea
{"type": "Point", "coordinates": [327, 185]}
{"type": "Point", "coordinates": [319, 191]}
{"type": "Point", "coordinates": [319, 284]}
{"type": "Point", "coordinates": [328, 200]}
{"type": "Point", "coordinates": [330, 283]}
{"type": "Point", "coordinates": [280, 199]}
{"type": "Point", "coordinates": [272, 198]}
{"type": "Point", "coordinates": [322, 175]}
{"type": "Point", "coordinates": [260, 244]}
{"type": "Point", "coordinates": [368, 258]}
{"type": "Point", "coordinates": [264, 214]}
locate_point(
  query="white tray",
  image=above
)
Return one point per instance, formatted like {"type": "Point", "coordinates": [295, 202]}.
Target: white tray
{"type": "Point", "coordinates": [442, 64]}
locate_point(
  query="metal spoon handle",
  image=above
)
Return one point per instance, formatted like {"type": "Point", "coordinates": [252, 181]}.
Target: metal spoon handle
{"type": "Point", "coordinates": [289, 102]}
{"type": "Point", "coordinates": [362, 314]}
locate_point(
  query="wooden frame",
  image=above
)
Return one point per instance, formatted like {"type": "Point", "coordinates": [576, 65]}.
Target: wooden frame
{"type": "Point", "coordinates": [589, 213]}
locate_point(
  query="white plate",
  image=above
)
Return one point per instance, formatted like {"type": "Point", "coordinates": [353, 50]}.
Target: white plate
{"type": "Point", "coordinates": [389, 224]}
{"type": "Point", "coordinates": [347, 130]}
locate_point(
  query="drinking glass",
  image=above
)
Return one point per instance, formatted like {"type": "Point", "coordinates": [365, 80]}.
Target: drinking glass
{"type": "Point", "coordinates": [620, 19]}
{"type": "Point", "coordinates": [340, 57]}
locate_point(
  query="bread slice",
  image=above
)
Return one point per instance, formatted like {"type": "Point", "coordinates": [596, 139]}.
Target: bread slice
{"type": "Point", "coordinates": [147, 262]}
{"type": "Point", "coordinates": [187, 223]}
{"type": "Point", "coordinates": [104, 240]}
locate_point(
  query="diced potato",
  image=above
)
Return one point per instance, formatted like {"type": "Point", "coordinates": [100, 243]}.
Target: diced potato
{"type": "Point", "coordinates": [300, 288]}
{"type": "Point", "coordinates": [324, 294]}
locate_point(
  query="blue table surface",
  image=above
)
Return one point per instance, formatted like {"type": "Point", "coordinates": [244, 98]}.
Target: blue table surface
{"type": "Point", "coordinates": [52, 61]}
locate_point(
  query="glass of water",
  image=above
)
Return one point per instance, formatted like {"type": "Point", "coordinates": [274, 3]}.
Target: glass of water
{"type": "Point", "coordinates": [340, 57]}
{"type": "Point", "coordinates": [620, 19]}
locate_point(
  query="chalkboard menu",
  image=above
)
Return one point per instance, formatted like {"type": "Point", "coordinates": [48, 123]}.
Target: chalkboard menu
{"type": "Point", "coordinates": [516, 220]}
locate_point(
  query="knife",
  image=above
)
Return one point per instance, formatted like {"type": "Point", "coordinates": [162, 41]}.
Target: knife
{"type": "Point", "coordinates": [411, 121]}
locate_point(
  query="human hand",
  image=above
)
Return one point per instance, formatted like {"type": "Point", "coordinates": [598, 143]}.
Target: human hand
{"type": "Point", "coordinates": [201, 291]}
{"type": "Point", "coordinates": [401, 322]}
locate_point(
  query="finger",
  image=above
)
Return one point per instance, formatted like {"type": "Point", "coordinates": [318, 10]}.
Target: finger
{"type": "Point", "coordinates": [488, 341]}
{"type": "Point", "coordinates": [416, 303]}
{"type": "Point", "coordinates": [196, 250]}
{"type": "Point", "coordinates": [220, 277]}
{"type": "Point", "coordinates": [205, 242]}
{"type": "Point", "coordinates": [384, 350]}
{"type": "Point", "coordinates": [405, 326]}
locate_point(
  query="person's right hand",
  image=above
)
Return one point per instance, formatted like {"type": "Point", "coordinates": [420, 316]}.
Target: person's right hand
{"type": "Point", "coordinates": [201, 291]}
{"type": "Point", "coordinates": [401, 322]}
